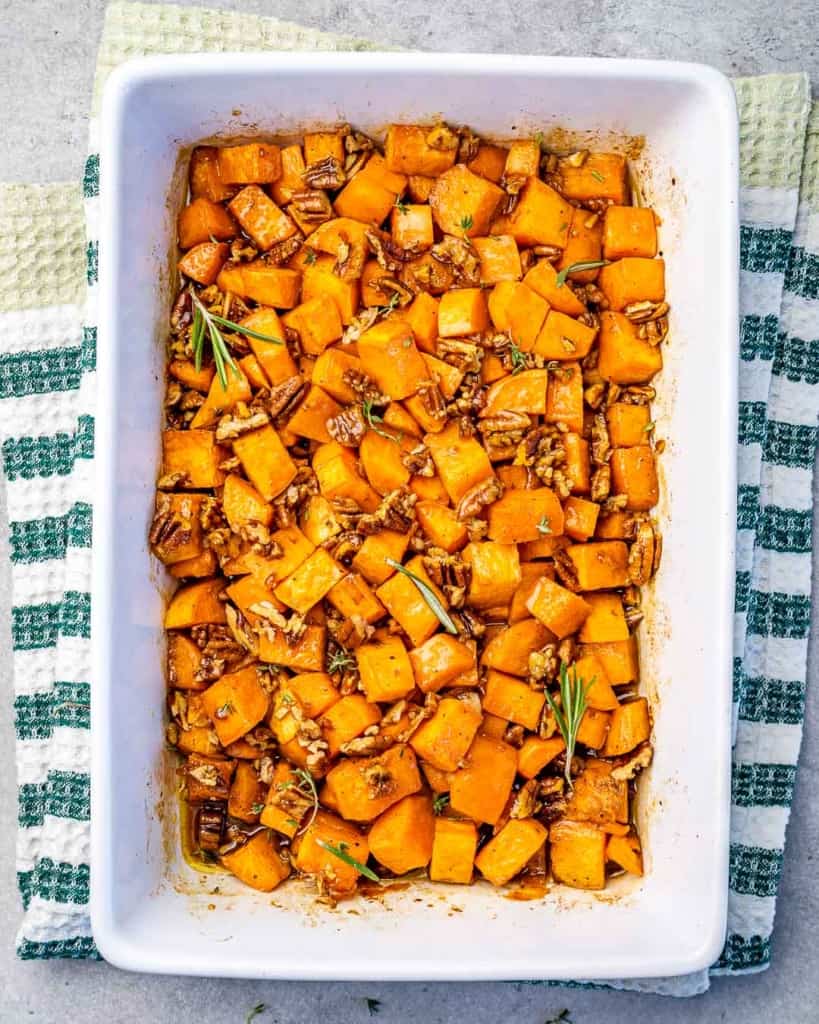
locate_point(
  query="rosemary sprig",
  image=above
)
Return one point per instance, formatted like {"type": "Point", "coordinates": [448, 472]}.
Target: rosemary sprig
{"type": "Point", "coordinates": [439, 803]}
{"type": "Point", "coordinates": [518, 357]}
{"type": "Point", "coordinates": [467, 222]}
{"type": "Point", "coordinates": [373, 418]}
{"type": "Point", "coordinates": [575, 268]}
{"type": "Point", "coordinates": [206, 324]}
{"type": "Point", "coordinates": [305, 785]}
{"type": "Point", "coordinates": [569, 714]}
{"type": "Point", "coordinates": [340, 851]}
{"type": "Point", "coordinates": [428, 595]}
{"type": "Point", "coordinates": [597, 175]}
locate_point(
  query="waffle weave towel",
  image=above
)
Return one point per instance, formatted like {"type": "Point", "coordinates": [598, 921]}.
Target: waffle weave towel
{"type": "Point", "coordinates": [48, 259]}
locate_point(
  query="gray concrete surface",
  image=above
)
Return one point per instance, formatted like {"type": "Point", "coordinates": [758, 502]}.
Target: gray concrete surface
{"type": "Point", "coordinates": [47, 49]}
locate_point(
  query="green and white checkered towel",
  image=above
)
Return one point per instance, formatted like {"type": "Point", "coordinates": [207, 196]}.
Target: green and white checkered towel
{"type": "Point", "coordinates": [47, 358]}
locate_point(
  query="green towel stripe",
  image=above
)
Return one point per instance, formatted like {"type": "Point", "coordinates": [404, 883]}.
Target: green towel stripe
{"type": "Point", "coordinates": [741, 953]}
{"type": "Point", "coordinates": [752, 421]}
{"type": "Point", "coordinates": [747, 507]}
{"type": "Point", "coordinates": [25, 884]}
{"type": "Point", "coordinates": [737, 680]}
{"type": "Point", "coordinates": [34, 626]}
{"type": "Point", "coordinates": [62, 795]}
{"type": "Point", "coordinates": [89, 349]}
{"type": "Point", "coordinates": [763, 785]}
{"type": "Point", "coordinates": [802, 275]}
{"type": "Point", "coordinates": [754, 870]}
{"type": "Point", "coordinates": [742, 592]}
{"type": "Point", "coordinates": [79, 948]}
{"type": "Point", "coordinates": [779, 615]}
{"type": "Point", "coordinates": [785, 530]}
{"type": "Point", "coordinates": [91, 177]}
{"type": "Point", "coordinates": [61, 882]}
{"type": "Point", "coordinates": [30, 804]}
{"type": "Point", "coordinates": [92, 255]}
{"type": "Point", "coordinates": [38, 714]}
{"type": "Point", "coordinates": [37, 373]}
{"type": "Point", "coordinates": [764, 250]}
{"type": "Point", "coordinates": [38, 540]}
{"type": "Point", "coordinates": [790, 444]}
{"type": "Point", "coordinates": [772, 701]}
{"type": "Point", "coordinates": [797, 359]}
{"type": "Point", "coordinates": [757, 336]}
{"type": "Point", "coordinates": [48, 455]}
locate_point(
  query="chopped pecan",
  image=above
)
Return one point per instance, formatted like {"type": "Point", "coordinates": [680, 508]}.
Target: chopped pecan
{"type": "Point", "coordinates": [525, 803]}
{"type": "Point", "coordinates": [347, 512]}
{"type": "Point", "coordinates": [351, 632]}
{"type": "Point", "coordinates": [637, 761]}
{"type": "Point", "coordinates": [397, 293]}
{"type": "Point", "coordinates": [257, 535]}
{"type": "Point", "coordinates": [350, 256]}
{"type": "Point", "coordinates": [396, 511]}
{"type": "Point", "coordinates": [364, 387]}
{"type": "Point", "coordinates": [281, 252]}
{"type": "Point", "coordinates": [449, 572]}
{"type": "Point", "coordinates": [239, 627]}
{"type": "Point", "coordinates": [348, 427]}
{"type": "Point", "coordinates": [566, 570]}
{"type": "Point", "coordinates": [543, 663]}
{"type": "Point", "coordinates": [594, 395]}
{"type": "Point", "coordinates": [418, 461]}
{"type": "Point", "coordinates": [360, 323]}
{"type": "Point", "coordinates": [481, 494]}
{"type": "Point", "coordinates": [432, 399]}
{"type": "Point", "coordinates": [461, 256]}
{"type": "Point", "coordinates": [466, 355]}
{"type": "Point", "coordinates": [642, 312]}
{"type": "Point", "coordinates": [544, 451]}
{"type": "Point", "coordinates": [504, 430]}
{"type": "Point", "coordinates": [232, 426]}
{"type": "Point", "coordinates": [284, 396]}
{"type": "Point", "coordinates": [313, 205]}
{"type": "Point", "coordinates": [550, 253]}
{"type": "Point", "coordinates": [638, 394]}
{"type": "Point", "coordinates": [600, 447]}
{"type": "Point", "coordinates": [601, 483]}
{"type": "Point", "coordinates": [469, 624]}
{"type": "Point", "coordinates": [171, 527]}
{"type": "Point", "coordinates": [381, 247]}
{"type": "Point", "coordinates": [468, 145]}
{"type": "Point", "coordinates": [210, 825]}
{"type": "Point", "coordinates": [326, 173]}
{"type": "Point", "coordinates": [242, 250]}
{"type": "Point", "coordinates": [344, 545]}
{"type": "Point", "coordinates": [430, 276]}
{"type": "Point", "coordinates": [169, 481]}
{"type": "Point", "coordinates": [567, 650]}
{"type": "Point", "coordinates": [645, 552]}
{"type": "Point", "coordinates": [442, 137]}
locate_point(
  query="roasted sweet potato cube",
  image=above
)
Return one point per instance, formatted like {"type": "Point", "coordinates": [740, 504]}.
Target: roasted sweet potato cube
{"type": "Point", "coordinates": [481, 788]}
{"type": "Point", "coordinates": [453, 851]}
{"type": "Point", "coordinates": [584, 245]}
{"type": "Point", "coordinates": [564, 397]}
{"type": "Point", "coordinates": [329, 373]}
{"type": "Point", "coordinates": [522, 160]}
{"type": "Point", "coordinates": [194, 455]}
{"type": "Point", "coordinates": [519, 392]}
{"type": "Point", "coordinates": [419, 187]}
{"type": "Point", "coordinates": [439, 661]}
{"type": "Point", "coordinates": [526, 315]}
{"type": "Point", "coordinates": [221, 399]}
{"type": "Point", "coordinates": [290, 180]}
{"type": "Point", "coordinates": [530, 574]}
{"type": "Point", "coordinates": [580, 518]}
{"type": "Point", "coordinates": [364, 199]}
{"type": "Point", "coordinates": [564, 338]}
{"type": "Point", "coordinates": [500, 304]}
{"type": "Point", "coordinates": [372, 293]}
{"type": "Point", "coordinates": [318, 323]}
{"type": "Point", "coordinates": [600, 565]}
{"type": "Point", "coordinates": [500, 259]}
{"type": "Point", "coordinates": [390, 357]}
{"type": "Point", "coordinates": [177, 533]}
{"type": "Point", "coordinates": [404, 601]}
{"type": "Point", "coordinates": [493, 727]}
{"type": "Point", "coordinates": [577, 853]}
{"type": "Point", "coordinates": [618, 658]}
{"type": "Point", "coordinates": [184, 660]}
{"type": "Point", "coordinates": [266, 284]}
{"type": "Point", "coordinates": [632, 279]}
{"type": "Point", "coordinates": [248, 591]}
{"type": "Point", "coordinates": [385, 669]}
{"type": "Point", "coordinates": [578, 466]}
{"type": "Point", "coordinates": [543, 548]}
{"type": "Point", "coordinates": [203, 262]}
{"type": "Point", "coordinates": [319, 281]}
{"type": "Point", "coordinates": [295, 547]}
{"type": "Point", "coordinates": [338, 476]}
{"type": "Point", "coordinates": [541, 216]}
{"type": "Point", "coordinates": [509, 650]}
{"type": "Point", "coordinates": [489, 162]}
{"type": "Point", "coordinates": [519, 516]}
{"type": "Point", "coordinates": [513, 699]}
{"type": "Point", "coordinates": [195, 605]}
{"type": "Point", "coordinates": [629, 231]}
{"type": "Point", "coordinates": [254, 163]}
{"type": "Point", "coordinates": [542, 278]}
{"type": "Point", "coordinates": [352, 596]}
{"type": "Point", "coordinates": [627, 424]}
{"type": "Point", "coordinates": [557, 608]}
{"type": "Point", "coordinates": [427, 273]}
{"type": "Point", "coordinates": [599, 693]}
{"type": "Point", "coordinates": [598, 798]}
{"type": "Point", "coordinates": [401, 837]}
{"type": "Point", "coordinates": [428, 488]}
{"type": "Point", "coordinates": [408, 150]}
{"type": "Point", "coordinates": [461, 462]}
{"type": "Point", "coordinates": [462, 311]}
{"type": "Point", "coordinates": [441, 525]}
{"type": "Point", "coordinates": [371, 558]}
{"type": "Point", "coordinates": [186, 373]}
{"type": "Point", "coordinates": [305, 587]}
{"type": "Point", "coordinates": [446, 376]}
{"type": "Point", "coordinates": [495, 573]}
{"type": "Point", "coordinates": [630, 726]}
{"type": "Point", "coordinates": [358, 798]}
{"type": "Point", "coordinates": [347, 719]}
{"type": "Point", "coordinates": [593, 728]}
{"type": "Point", "coordinates": [310, 419]}
{"type": "Point", "coordinates": [508, 853]}
{"type": "Point", "coordinates": [307, 654]}
{"type": "Point", "coordinates": [536, 753]}
{"type": "Point", "coordinates": [205, 179]}
{"type": "Point", "coordinates": [462, 203]}
{"type": "Point", "coordinates": [314, 858]}
{"type": "Point", "coordinates": [381, 460]}
{"type": "Point", "coordinates": [634, 473]}
{"type": "Point", "coordinates": [606, 621]}
{"type": "Point", "coordinates": [318, 520]}
{"type": "Point", "coordinates": [411, 226]}
{"type": "Point", "coordinates": [261, 218]}
{"type": "Point", "coordinates": [213, 783]}
{"type": "Point", "coordinates": [274, 359]}
{"type": "Point", "coordinates": [600, 176]}
{"type": "Point", "coordinates": [625, 851]}
{"type": "Point", "coordinates": [444, 739]}
{"type": "Point", "coordinates": [265, 460]}
{"type": "Point", "coordinates": [235, 703]}
{"type": "Point", "coordinates": [422, 316]}
{"type": "Point", "coordinates": [258, 863]}
{"type": "Point", "coordinates": [204, 221]}
{"type": "Point", "coordinates": [247, 794]}
{"type": "Point", "coordinates": [242, 504]}
{"type": "Point", "coordinates": [320, 145]}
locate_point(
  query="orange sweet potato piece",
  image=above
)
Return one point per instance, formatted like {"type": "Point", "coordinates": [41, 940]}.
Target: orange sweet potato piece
{"type": "Point", "coordinates": [522, 160]}
{"type": "Point", "coordinates": [600, 176]}
{"type": "Point", "coordinates": [500, 259]}
{"type": "Point", "coordinates": [204, 221]}
{"type": "Point", "coordinates": [526, 314]}
{"type": "Point", "coordinates": [310, 419]}
{"type": "Point", "coordinates": [629, 231]}
{"type": "Point", "coordinates": [403, 600]}
{"type": "Point", "coordinates": [389, 356]}
{"type": "Point", "coordinates": [453, 851]}
{"type": "Point", "coordinates": [593, 728]}
{"type": "Point", "coordinates": [577, 853]}
{"type": "Point", "coordinates": [364, 199]}
{"type": "Point", "coordinates": [338, 477]}
{"type": "Point", "coordinates": [578, 465]}
{"type": "Point", "coordinates": [242, 504]}
{"type": "Point", "coordinates": [564, 338]}
{"type": "Point", "coordinates": [419, 187]}
{"type": "Point", "coordinates": [411, 226]}
{"type": "Point", "coordinates": [625, 851]}
{"type": "Point", "coordinates": [260, 217]}
{"type": "Point", "coordinates": [536, 753]}
{"type": "Point", "coordinates": [385, 669]}
{"type": "Point", "coordinates": [583, 246]}
{"type": "Point", "coordinates": [295, 547]}
{"type": "Point", "coordinates": [519, 516]}
{"type": "Point", "coordinates": [370, 559]}
{"type": "Point", "coordinates": [318, 324]}
{"type": "Point", "coordinates": [246, 793]}
{"type": "Point", "coordinates": [441, 525]}
{"type": "Point", "coordinates": [632, 279]}
{"type": "Point", "coordinates": [308, 584]}
{"type": "Point", "coordinates": [543, 548]}
{"type": "Point", "coordinates": [401, 837]}
{"type": "Point", "coordinates": [266, 284]}
{"type": "Point", "coordinates": [352, 596]}
{"type": "Point", "coordinates": [290, 180]}
{"type": "Point", "coordinates": [630, 726]}
{"type": "Point", "coordinates": [313, 858]}
{"type": "Point", "coordinates": [557, 608]}
{"type": "Point", "coordinates": [541, 216]}
{"type": "Point", "coordinates": [319, 145]}
{"type": "Point", "coordinates": [329, 370]}
{"type": "Point", "coordinates": [508, 853]}
{"type": "Point", "coordinates": [618, 658]}
{"type": "Point", "coordinates": [600, 565]}
{"type": "Point", "coordinates": [195, 605]}
{"type": "Point", "coordinates": [439, 660]}
{"type": "Point", "coordinates": [381, 460]}
{"type": "Point", "coordinates": [357, 798]}
{"type": "Point", "coordinates": [347, 719]}
{"type": "Point", "coordinates": [265, 460]}
{"type": "Point", "coordinates": [462, 203]}
{"type": "Point", "coordinates": [530, 573]}
{"type": "Point", "coordinates": [444, 739]}
{"type": "Point", "coordinates": [599, 694]}
{"type": "Point", "coordinates": [307, 654]}
{"type": "Point", "coordinates": [203, 262]}
{"type": "Point", "coordinates": [253, 163]}
{"type": "Point", "coordinates": [634, 473]}
{"type": "Point", "coordinates": [462, 311]}
{"type": "Point", "coordinates": [520, 392]}
{"type": "Point", "coordinates": [481, 788]}
{"type": "Point", "coordinates": [200, 565]}
{"type": "Point", "coordinates": [422, 317]}
{"type": "Point", "coordinates": [513, 699]}
{"type": "Point", "coordinates": [597, 797]}
{"type": "Point", "coordinates": [222, 399]}
{"type": "Point", "coordinates": [542, 278]}
{"type": "Point", "coordinates": [624, 357]}
{"type": "Point", "coordinates": [275, 360]}
{"type": "Point", "coordinates": [509, 650]}
{"type": "Point", "coordinates": [580, 518]}
{"type": "Point", "coordinates": [627, 424]}
{"type": "Point", "coordinates": [320, 281]}
{"type": "Point", "coordinates": [259, 863]}
{"type": "Point", "coordinates": [186, 373]}
{"type": "Point", "coordinates": [248, 591]}
{"type": "Point", "coordinates": [500, 304]}
{"type": "Point", "coordinates": [461, 462]}
{"type": "Point", "coordinates": [564, 397]}
{"type": "Point", "coordinates": [180, 537]}
{"type": "Point", "coordinates": [184, 660]}
{"type": "Point", "coordinates": [205, 179]}
{"type": "Point", "coordinates": [495, 573]}
{"type": "Point", "coordinates": [194, 454]}
{"type": "Point", "coordinates": [407, 149]}
{"type": "Point", "coordinates": [606, 621]}
{"type": "Point", "coordinates": [235, 703]}
{"type": "Point", "coordinates": [428, 488]}
{"type": "Point", "coordinates": [489, 162]}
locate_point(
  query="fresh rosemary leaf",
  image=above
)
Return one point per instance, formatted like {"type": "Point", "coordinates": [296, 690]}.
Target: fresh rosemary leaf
{"type": "Point", "coordinates": [340, 851]}
{"type": "Point", "coordinates": [569, 714]}
{"type": "Point", "coordinates": [252, 1014]}
{"type": "Point", "coordinates": [575, 268]}
{"type": "Point", "coordinates": [245, 330]}
{"type": "Point", "coordinates": [597, 175]}
{"type": "Point", "coordinates": [518, 357]}
{"type": "Point", "coordinates": [428, 595]}
{"type": "Point", "coordinates": [439, 803]}
{"type": "Point", "coordinates": [467, 222]}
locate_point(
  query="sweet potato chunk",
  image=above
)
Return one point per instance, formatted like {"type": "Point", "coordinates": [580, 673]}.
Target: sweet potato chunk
{"type": "Point", "coordinates": [625, 851]}
{"type": "Point", "coordinates": [634, 473]}
{"type": "Point", "coordinates": [320, 281]}
{"type": "Point", "coordinates": [541, 216]}
{"type": "Point", "coordinates": [618, 658]}
{"type": "Point", "coordinates": [600, 565]}
{"type": "Point", "coordinates": [462, 311]}
{"type": "Point", "coordinates": [259, 863]}
{"type": "Point", "coordinates": [385, 668]}
{"type": "Point", "coordinates": [242, 504]}
{"type": "Point", "coordinates": [519, 516]}
{"type": "Point", "coordinates": [512, 699]}
{"type": "Point", "coordinates": [599, 693]}
{"type": "Point", "coordinates": [338, 476]}
{"type": "Point", "coordinates": [500, 259]}
{"type": "Point", "coordinates": [632, 279]}
{"type": "Point", "coordinates": [536, 753]}
{"type": "Point", "coordinates": [235, 703]}
{"type": "Point", "coordinates": [461, 462]}
{"type": "Point", "coordinates": [411, 226]}
{"type": "Point", "coordinates": [265, 460]}
{"type": "Point", "coordinates": [313, 858]}
{"type": "Point", "coordinates": [192, 457]}
{"type": "Point", "coordinates": [453, 851]}
{"type": "Point", "coordinates": [361, 799]}
{"type": "Point", "coordinates": [600, 176]}
{"type": "Point", "coordinates": [564, 397]}
{"type": "Point", "coordinates": [203, 262]}
{"type": "Point", "coordinates": [390, 357]}
{"type": "Point", "coordinates": [481, 788]}
{"type": "Point", "coordinates": [577, 853]}
{"type": "Point", "coordinates": [495, 573]}
{"type": "Point", "coordinates": [564, 338]}
{"type": "Point", "coordinates": [509, 650]}
{"type": "Point", "coordinates": [347, 719]}
{"type": "Point", "coordinates": [247, 794]}
{"type": "Point", "coordinates": [204, 221]}
{"type": "Point", "coordinates": [254, 163]}
{"type": "Point", "coordinates": [370, 559]}
{"type": "Point", "coordinates": [439, 661]}
{"type": "Point", "coordinates": [560, 611]}
{"type": "Point", "coordinates": [464, 204]}
{"type": "Point", "coordinates": [205, 179]}
{"type": "Point", "coordinates": [527, 312]}
{"type": "Point", "coordinates": [196, 605]}
{"type": "Point", "coordinates": [318, 323]}
{"type": "Point", "coordinates": [624, 357]}
{"type": "Point", "coordinates": [520, 392]}
{"type": "Point", "coordinates": [408, 149]}
{"type": "Point", "coordinates": [352, 596]}
{"type": "Point", "coordinates": [542, 278]}
{"type": "Point", "coordinates": [307, 654]}
{"type": "Point", "coordinates": [606, 622]}
{"type": "Point", "coordinates": [261, 218]}
{"type": "Point", "coordinates": [444, 739]}
{"type": "Point", "coordinates": [629, 231]}
{"type": "Point", "coordinates": [530, 574]}
{"type": "Point", "coordinates": [507, 853]}
{"type": "Point", "coordinates": [401, 838]}
{"type": "Point", "coordinates": [598, 797]}
{"type": "Point", "coordinates": [580, 518]}
{"type": "Point", "coordinates": [404, 601]}
{"type": "Point", "coordinates": [583, 246]}
{"type": "Point", "coordinates": [630, 726]}
{"type": "Point", "coordinates": [489, 162]}
{"type": "Point", "coordinates": [627, 424]}
{"type": "Point", "coordinates": [184, 660]}
{"type": "Point", "coordinates": [441, 525]}
{"type": "Point", "coordinates": [268, 285]}
{"type": "Point", "coordinates": [314, 578]}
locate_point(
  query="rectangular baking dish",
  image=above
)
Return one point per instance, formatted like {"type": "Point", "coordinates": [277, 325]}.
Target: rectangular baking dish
{"type": "Point", "coordinates": [150, 910]}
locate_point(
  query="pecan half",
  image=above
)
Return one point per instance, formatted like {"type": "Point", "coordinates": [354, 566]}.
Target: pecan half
{"type": "Point", "coordinates": [481, 494]}
{"type": "Point", "coordinates": [284, 395]}
{"type": "Point", "coordinates": [232, 426]}
{"type": "Point", "coordinates": [645, 553]}
{"type": "Point", "coordinates": [313, 205]}
{"type": "Point", "coordinates": [432, 399]}
{"type": "Point", "coordinates": [326, 173]}
{"type": "Point", "coordinates": [281, 252]}
{"type": "Point", "coordinates": [348, 427]}
{"type": "Point", "coordinates": [395, 512]}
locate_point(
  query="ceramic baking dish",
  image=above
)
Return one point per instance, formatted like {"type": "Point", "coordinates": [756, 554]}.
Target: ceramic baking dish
{"type": "Point", "coordinates": [151, 911]}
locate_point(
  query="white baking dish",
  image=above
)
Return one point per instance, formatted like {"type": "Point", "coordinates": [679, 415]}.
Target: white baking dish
{"type": "Point", "coordinates": [150, 911]}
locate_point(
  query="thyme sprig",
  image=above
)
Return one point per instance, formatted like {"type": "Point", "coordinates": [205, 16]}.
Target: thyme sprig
{"type": "Point", "coordinates": [373, 418]}
{"type": "Point", "coordinates": [575, 268]}
{"type": "Point", "coordinates": [340, 851]}
{"type": "Point", "coordinates": [428, 595]}
{"type": "Point", "coordinates": [340, 661]}
{"type": "Point", "coordinates": [305, 785]}
{"type": "Point", "coordinates": [206, 325]}
{"type": "Point", "coordinates": [569, 714]}
{"type": "Point", "coordinates": [439, 803]}
{"type": "Point", "coordinates": [518, 357]}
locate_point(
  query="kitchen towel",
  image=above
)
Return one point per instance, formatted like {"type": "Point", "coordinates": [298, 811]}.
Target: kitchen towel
{"type": "Point", "coordinates": [48, 257]}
